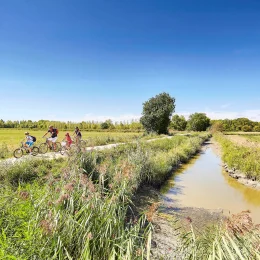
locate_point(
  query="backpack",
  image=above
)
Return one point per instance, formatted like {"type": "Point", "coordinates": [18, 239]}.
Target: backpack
{"type": "Point", "coordinates": [57, 131]}
{"type": "Point", "coordinates": [33, 138]}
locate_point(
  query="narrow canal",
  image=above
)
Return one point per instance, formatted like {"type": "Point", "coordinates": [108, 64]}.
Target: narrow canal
{"type": "Point", "coordinates": [204, 184]}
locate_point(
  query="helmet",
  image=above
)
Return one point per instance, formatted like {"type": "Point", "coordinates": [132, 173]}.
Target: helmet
{"type": "Point", "coordinates": [26, 133]}
{"type": "Point", "coordinates": [76, 128]}
{"type": "Point", "coordinates": [67, 134]}
{"type": "Point", "coordinates": [51, 126]}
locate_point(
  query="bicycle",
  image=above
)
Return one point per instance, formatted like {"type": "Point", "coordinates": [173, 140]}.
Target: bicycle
{"type": "Point", "coordinates": [82, 143]}
{"type": "Point", "coordinates": [68, 150]}
{"type": "Point", "coordinates": [43, 147]}
{"type": "Point", "coordinates": [23, 150]}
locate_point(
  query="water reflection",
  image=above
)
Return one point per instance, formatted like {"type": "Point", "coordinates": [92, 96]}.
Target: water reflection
{"type": "Point", "coordinates": [250, 195]}
{"type": "Point", "coordinates": [203, 183]}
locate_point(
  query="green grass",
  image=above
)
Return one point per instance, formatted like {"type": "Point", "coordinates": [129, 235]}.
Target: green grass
{"type": "Point", "coordinates": [242, 133]}
{"type": "Point", "coordinates": [244, 159]}
{"type": "Point", "coordinates": [252, 138]}
{"type": "Point", "coordinates": [234, 239]}
{"type": "Point", "coordinates": [81, 208]}
{"type": "Point", "coordinates": [11, 138]}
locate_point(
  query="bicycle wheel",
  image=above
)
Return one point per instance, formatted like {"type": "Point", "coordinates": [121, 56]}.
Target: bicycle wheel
{"type": "Point", "coordinates": [57, 147]}
{"type": "Point", "coordinates": [83, 143]}
{"type": "Point", "coordinates": [18, 153]}
{"type": "Point", "coordinates": [63, 150]}
{"type": "Point", "coordinates": [35, 151]}
{"type": "Point", "coordinates": [43, 148]}
{"type": "Point", "coordinates": [73, 149]}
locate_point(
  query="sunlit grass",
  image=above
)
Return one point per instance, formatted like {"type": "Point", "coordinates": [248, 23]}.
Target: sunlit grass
{"type": "Point", "coordinates": [242, 158]}
{"type": "Point", "coordinates": [81, 208]}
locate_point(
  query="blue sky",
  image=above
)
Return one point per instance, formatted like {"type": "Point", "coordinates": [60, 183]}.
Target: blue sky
{"type": "Point", "coordinates": [92, 60]}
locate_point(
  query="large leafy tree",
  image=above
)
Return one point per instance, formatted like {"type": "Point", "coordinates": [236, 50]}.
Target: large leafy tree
{"type": "Point", "coordinates": [178, 123]}
{"type": "Point", "coordinates": [157, 112]}
{"type": "Point", "coordinates": [198, 122]}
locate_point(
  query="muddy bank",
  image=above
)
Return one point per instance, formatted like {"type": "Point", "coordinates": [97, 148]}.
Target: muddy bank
{"type": "Point", "coordinates": [241, 177]}
{"type": "Point", "coordinates": [170, 222]}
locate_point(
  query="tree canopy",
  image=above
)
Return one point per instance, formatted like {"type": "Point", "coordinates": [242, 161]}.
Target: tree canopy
{"type": "Point", "coordinates": [239, 124]}
{"type": "Point", "coordinates": [198, 122]}
{"type": "Point", "coordinates": [157, 112]}
{"type": "Point", "coordinates": [178, 123]}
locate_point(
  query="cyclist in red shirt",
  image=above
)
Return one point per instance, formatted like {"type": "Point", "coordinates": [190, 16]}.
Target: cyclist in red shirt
{"type": "Point", "coordinates": [68, 139]}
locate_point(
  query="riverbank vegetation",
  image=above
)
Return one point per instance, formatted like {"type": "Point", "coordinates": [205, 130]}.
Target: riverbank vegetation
{"type": "Point", "coordinates": [245, 159]}
{"type": "Point", "coordinates": [234, 238]}
{"type": "Point", "coordinates": [81, 208]}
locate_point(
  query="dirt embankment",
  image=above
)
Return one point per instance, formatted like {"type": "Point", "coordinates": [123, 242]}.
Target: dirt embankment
{"type": "Point", "coordinates": [241, 177]}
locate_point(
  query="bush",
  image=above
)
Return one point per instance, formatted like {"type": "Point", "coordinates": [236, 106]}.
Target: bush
{"type": "Point", "coordinates": [4, 152]}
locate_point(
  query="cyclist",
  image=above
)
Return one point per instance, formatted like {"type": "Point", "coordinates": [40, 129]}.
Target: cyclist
{"type": "Point", "coordinates": [68, 139]}
{"type": "Point", "coordinates": [78, 135]}
{"type": "Point", "coordinates": [28, 141]}
{"type": "Point", "coordinates": [54, 136]}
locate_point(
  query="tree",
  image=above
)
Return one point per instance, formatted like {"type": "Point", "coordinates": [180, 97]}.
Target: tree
{"type": "Point", "coordinates": [178, 123]}
{"type": "Point", "coordinates": [198, 122]}
{"type": "Point", "coordinates": [157, 112]}
{"type": "Point", "coordinates": [108, 124]}
{"type": "Point", "coordinates": [257, 128]}
{"type": "Point", "coordinates": [216, 126]}
{"type": "Point", "coordinates": [246, 128]}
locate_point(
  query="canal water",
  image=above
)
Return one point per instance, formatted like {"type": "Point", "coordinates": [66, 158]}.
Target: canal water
{"type": "Point", "coordinates": [204, 184]}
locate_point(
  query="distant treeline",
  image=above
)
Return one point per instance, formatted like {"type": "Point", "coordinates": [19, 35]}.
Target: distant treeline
{"type": "Point", "coordinates": [196, 122]}
{"type": "Point", "coordinates": [200, 122]}
{"type": "Point", "coordinates": [84, 125]}
{"type": "Point", "coordinates": [239, 124]}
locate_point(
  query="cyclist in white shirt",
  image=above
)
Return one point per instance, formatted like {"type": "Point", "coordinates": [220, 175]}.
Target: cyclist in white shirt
{"type": "Point", "coordinates": [29, 141]}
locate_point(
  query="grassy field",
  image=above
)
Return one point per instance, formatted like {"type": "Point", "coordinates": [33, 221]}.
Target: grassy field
{"type": "Point", "coordinates": [10, 138]}
{"type": "Point", "coordinates": [252, 138]}
{"type": "Point", "coordinates": [241, 154]}
{"type": "Point", "coordinates": [81, 208]}
{"type": "Point", "coordinates": [242, 133]}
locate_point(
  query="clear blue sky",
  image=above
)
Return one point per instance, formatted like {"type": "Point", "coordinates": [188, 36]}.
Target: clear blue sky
{"type": "Point", "coordinates": [78, 60]}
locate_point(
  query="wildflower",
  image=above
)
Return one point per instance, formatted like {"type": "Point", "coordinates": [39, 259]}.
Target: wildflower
{"type": "Point", "coordinates": [24, 195]}
{"type": "Point", "coordinates": [47, 227]}
{"type": "Point", "coordinates": [69, 187]}
{"type": "Point", "coordinates": [89, 236]}
{"type": "Point", "coordinates": [138, 252]}
{"type": "Point", "coordinates": [58, 190]}
{"type": "Point", "coordinates": [62, 198]}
